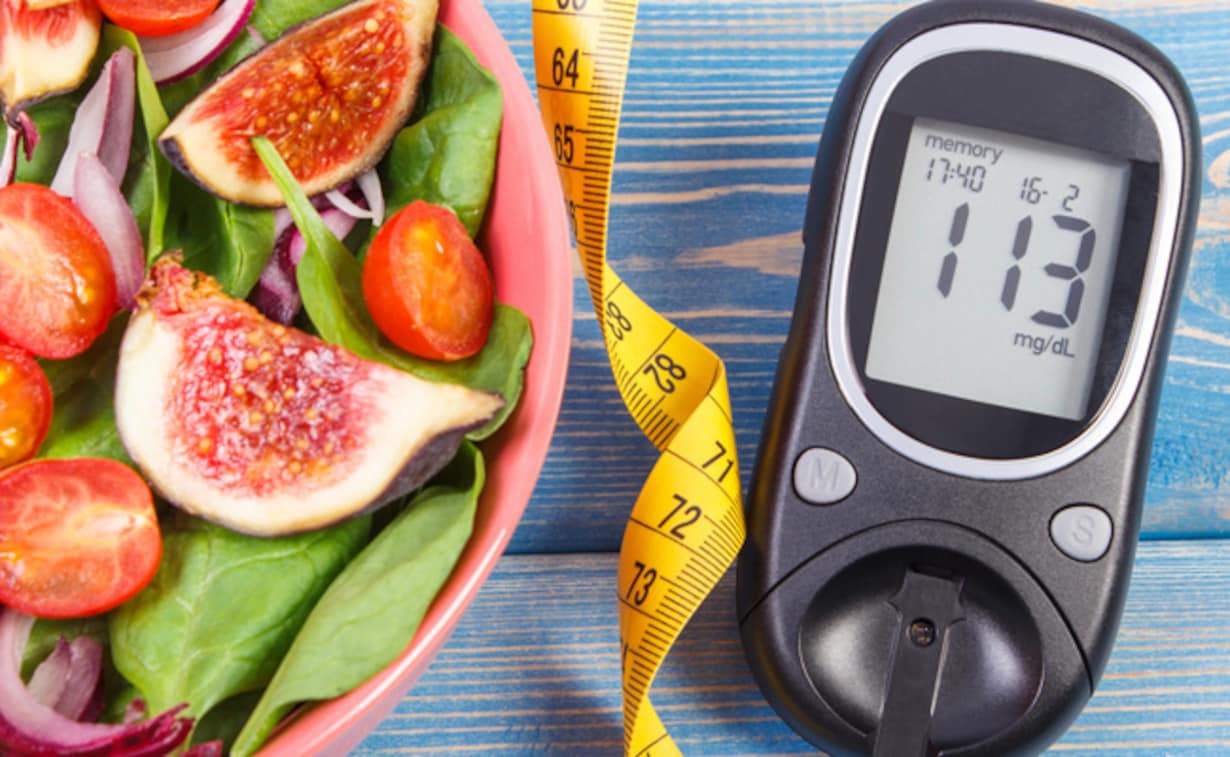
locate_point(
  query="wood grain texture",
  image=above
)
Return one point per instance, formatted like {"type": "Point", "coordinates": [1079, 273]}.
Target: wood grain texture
{"type": "Point", "coordinates": [533, 668]}
{"type": "Point", "coordinates": [724, 108]}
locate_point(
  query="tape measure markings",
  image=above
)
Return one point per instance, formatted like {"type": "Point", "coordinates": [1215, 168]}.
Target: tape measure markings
{"type": "Point", "coordinates": [681, 535]}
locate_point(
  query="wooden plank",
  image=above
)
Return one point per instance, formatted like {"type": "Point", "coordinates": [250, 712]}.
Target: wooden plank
{"type": "Point", "coordinates": [724, 109]}
{"type": "Point", "coordinates": [533, 669]}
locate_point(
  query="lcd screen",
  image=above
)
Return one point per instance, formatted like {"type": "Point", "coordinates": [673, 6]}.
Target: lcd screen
{"type": "Point", "coordinates": [998, 269]}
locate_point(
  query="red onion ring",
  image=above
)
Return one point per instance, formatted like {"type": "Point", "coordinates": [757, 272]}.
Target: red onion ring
{"type": "Point", "coordinates": [173, 57]}
{"type": "Point", "coordinates": [29, 134]}
{"type": "Point", "coordinates": [25, 137]}
{"type": "Point", "coordinates": [103, 124]}
{"type": "Point", "coordinates": [84, 684]}
{"type": "Point", "coordinates": [29, 727]}
{"type": "Point", "coordinates": [51, 676]}
{"type": "Point", "coordinates": [98, 197]}
{"type": "Point", "coordinates": [276, 293]}
{"type": "Point", "coordinates": [8, 163]}
{"type": "Point", "coordinates": [70, 677]}
{"type": "Point", "coordinates": [369, 184]}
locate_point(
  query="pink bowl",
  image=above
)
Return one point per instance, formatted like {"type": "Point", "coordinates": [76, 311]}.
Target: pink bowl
{"type": "Point", "coordinates": [526, 239]}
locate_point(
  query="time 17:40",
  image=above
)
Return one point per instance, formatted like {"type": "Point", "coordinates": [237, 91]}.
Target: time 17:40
{"type": "Point", "coordinates": [944, 170]}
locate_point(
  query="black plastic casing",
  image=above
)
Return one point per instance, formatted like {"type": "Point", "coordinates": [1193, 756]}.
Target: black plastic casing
{"type": "Point", "coordinates": [813, 577]}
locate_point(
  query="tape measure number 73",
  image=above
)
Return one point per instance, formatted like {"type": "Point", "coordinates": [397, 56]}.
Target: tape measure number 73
{"type": "Point", "coordinates": [687, 524]}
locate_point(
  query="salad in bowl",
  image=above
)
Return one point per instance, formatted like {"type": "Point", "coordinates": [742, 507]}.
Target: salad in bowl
{"type": "Point", "coordinates": [286, 317]}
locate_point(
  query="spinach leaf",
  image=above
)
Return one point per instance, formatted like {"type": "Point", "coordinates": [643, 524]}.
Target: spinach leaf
{"type": "Point", "coordinates": [222, 610]}
{"type": "Point", "coordinates": [232, 243]}
{"type": "Point", "coordinates": [273, 17]}
{"type": "Point", "coordinates": [330, 282]}
{"type": "Point", "coordinates": [447, 156]}
{"type": "Point", "coordinates": [224, 721]}
{"type": "Point", "coordinates": [371, 611]}
{"type": "Point", "coordinates": [83, 391]}
{"type": "Point", "coordinates": [147, 183]}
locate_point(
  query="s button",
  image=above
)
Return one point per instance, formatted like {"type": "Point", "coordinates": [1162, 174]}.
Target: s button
{"type": "Point", "coordinates": [1082, 532]}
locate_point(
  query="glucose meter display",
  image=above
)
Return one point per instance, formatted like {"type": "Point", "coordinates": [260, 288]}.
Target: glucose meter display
{"type": "Point", "coordinates": [998, 269]}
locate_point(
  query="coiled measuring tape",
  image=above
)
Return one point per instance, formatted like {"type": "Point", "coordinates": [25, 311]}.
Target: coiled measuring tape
{"type": "Point", "coordinates": [687, 525]}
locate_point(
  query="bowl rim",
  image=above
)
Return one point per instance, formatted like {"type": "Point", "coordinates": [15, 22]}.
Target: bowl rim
{"type": "Point", "coordinates": [520, 447]}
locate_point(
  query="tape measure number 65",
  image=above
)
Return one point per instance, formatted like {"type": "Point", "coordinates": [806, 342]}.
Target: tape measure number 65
{"type": "Point", "coordinates": [687, 524]}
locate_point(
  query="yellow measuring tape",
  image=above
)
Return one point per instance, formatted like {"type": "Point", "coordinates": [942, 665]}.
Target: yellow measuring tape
{"type": "Point", "coordinates": [687, 525]}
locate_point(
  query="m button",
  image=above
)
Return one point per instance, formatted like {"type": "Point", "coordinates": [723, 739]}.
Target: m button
{"type": "Point", "coordinates": [823, 477]}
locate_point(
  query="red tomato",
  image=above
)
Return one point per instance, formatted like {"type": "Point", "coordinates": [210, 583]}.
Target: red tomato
{"type": "Point", "coordinates": [56, 282]}
{"type": "Point", "coordinates": [25, 406]}
{"type": "Point", "coordinates": [77, 537]}
{"type": "Point", "coordinates": [427, 286]}
{"type": "Point", "coordinates": [157, 18]}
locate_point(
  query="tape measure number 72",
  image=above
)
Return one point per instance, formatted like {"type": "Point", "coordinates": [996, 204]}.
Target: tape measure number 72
{"type": "Point", "coordinates": [687, 524]}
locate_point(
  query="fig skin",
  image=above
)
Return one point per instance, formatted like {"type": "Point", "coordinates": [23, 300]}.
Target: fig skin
{"type": "Point", "coordinates": [193, 435]}
{"type": "Point", "coordinates": [334, 132]}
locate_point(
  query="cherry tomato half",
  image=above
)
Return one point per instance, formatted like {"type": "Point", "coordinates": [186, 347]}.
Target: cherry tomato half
{"type": "Point", "coordinates": [77, 537]}
{"type": "Point", "coordinates": [56, 282]}
{"type": "Point", "coordinates": [25, 406]}
{"type": "Point", "coordinates": [157, 18]}
{"type": "Point", "coordinates": [427, 286]}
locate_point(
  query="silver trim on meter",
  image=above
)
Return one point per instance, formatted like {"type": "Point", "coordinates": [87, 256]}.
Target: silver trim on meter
{"type": "Point", "coordinates": [1039, 44]}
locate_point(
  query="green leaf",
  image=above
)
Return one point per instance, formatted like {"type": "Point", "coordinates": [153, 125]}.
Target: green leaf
{"type": "Point", "coordinates": [273, 17]}
{"type": "Point", "coordinates": [225, 720]}
{"type": "Point", "coordinates": [330, 282]}
{"type": "Point", "coordinates": [222, 610]}
{"type": "Point", "coordinates": [232, 243]}
{"type": "Point", "coordinates": [147, 183]}
{"type": "Point", "coordinates": [370, 613]}
{"type": "Point", "coordinates": [447, 156]}
{"type": "Point", "coordinates": [83, 388]}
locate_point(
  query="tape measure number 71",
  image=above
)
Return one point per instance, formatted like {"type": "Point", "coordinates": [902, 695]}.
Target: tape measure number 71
{"type": "Point", "coordinates": [687, 524]}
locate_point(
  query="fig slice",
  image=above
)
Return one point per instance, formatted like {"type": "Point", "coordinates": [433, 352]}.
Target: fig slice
{"type": "Point", "coordinates": [45, 49]}
{"type": "Point", "coordinates": [330, 94]}
{"type": "Point", "coordinates": [268, 430]}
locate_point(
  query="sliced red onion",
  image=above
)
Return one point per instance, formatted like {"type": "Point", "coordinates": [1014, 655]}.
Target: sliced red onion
{"type": "Point", "coordinates": [208, 749]}
{"type": "Point", "coordinates": [69, 679]}
{"type": "Point", "coordinates": [51, 676]}
{"type": "Point", "coordinates": [347, 205]}
{"type": "Point", "coordinates": [84, 685]}
{"type": "Point", "coordinates": [373, 197]}
{"type": "Point", "coordinates": [29, 134]}
{"type": "Point", "coordinates": [369, 185]}
{"type": "Point", "coordinates": [8, 163]}
{"type": "Point", "coordinates": [175, 56]}
{"type": "Point", "coordinates": [282, 221]}
{"type": "Point", "coordinates": [30, 727]}
{"type": "Point", "coordinates": [103, 124]}
{"type": "Point", "coordinates": [100, 200]}
{"type": "Point", "coordinates": [134, 712]}
{"type": "Point", "coordinates": [339, 223]}
{"type": "Point", "coordinates": [276, 293]}
{"type": "Point", "coordinates": [258, 39]}
{"type": "Point", "coordinates": [23, 137]}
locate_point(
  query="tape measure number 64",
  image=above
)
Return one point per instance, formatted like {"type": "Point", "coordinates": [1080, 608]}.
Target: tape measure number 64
{"type": "Point", "coordinates": [687, 524]}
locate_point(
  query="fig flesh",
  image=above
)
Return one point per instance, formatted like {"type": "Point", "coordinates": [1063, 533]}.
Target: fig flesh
{"type": "Point", "coordinates": [268, 430]}
{"type": "Point", "coordinates": [44, 49]}
{"type": "Point", "coordinates": [330, 94]}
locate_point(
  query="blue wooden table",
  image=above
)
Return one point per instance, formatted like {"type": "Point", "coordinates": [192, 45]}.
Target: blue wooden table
{"type": "Point", "coordinates": [725, 104]}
